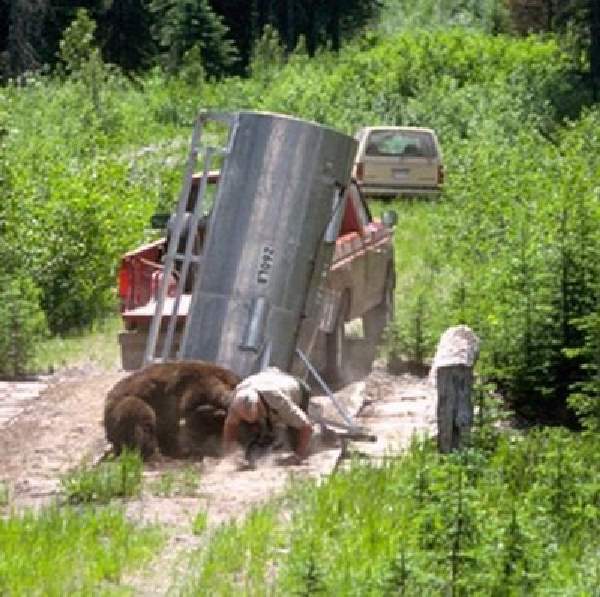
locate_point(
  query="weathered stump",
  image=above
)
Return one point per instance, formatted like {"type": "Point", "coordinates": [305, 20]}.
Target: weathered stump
{"type": "Point", "coordinates": [452, 373]}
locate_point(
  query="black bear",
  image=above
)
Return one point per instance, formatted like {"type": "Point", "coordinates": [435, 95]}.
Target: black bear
{"type": "Point", "coordinates": [144, 409]}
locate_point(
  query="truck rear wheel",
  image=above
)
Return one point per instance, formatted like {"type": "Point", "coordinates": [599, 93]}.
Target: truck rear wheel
{"type": "Point", "coordinates": [337, 344]}
{"type": "Point", "coordinates": [376, 320]}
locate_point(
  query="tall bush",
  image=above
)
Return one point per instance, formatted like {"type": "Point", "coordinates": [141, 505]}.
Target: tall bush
{"type": "Point", "coordinates": [22, 323]}
{"type": "Point", "coordinates": [511, 249]}
{"type": "Point", "coordinates": [22, 320]}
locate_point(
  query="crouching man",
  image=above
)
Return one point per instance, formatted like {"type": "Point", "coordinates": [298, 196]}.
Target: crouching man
{"type": "Point", "coordinates": [268, 399]}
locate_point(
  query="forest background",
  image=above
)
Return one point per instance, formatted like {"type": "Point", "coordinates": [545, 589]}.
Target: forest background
{"type": "Point", "coordinates": [96, 108]}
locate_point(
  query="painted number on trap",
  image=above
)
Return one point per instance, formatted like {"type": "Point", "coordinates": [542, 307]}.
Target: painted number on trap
{"type": "Point", "coordinates": [266, 264]}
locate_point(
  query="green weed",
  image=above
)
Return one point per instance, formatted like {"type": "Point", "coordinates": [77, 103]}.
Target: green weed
{"type": "Point", "coordinates": [4, 494]}
{"type": "Point", "coordinates": [521, 516]}
{"type": "Point", "coordinates": [70, 551]}
{"type": "Point", "coordinates": [163, 486]}
{"type": "Point", "coordinates": [120, 477]}
{"type": "Point", "coordinates": [183, 482]}
{"type": "Point", "coordinates": [200, 523]}
{"type": "Point", "coordinates": [238, 556]}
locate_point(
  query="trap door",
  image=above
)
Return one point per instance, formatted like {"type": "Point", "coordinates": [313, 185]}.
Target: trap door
{"type": "Point", "coordinates": [167, 307]}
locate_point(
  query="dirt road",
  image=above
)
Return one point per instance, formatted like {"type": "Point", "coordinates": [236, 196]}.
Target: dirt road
{"type": "Point", "coordinates": [59, 425]}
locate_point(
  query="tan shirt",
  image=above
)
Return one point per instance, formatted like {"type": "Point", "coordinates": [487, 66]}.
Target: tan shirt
{"type": "Point", "coordinates": [281, 393]}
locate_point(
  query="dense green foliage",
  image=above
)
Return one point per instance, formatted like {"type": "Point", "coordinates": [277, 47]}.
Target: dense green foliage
{"type": "Point", "coordinates": [78, 193]}
{"type": "Point", "coordinates": [23, 322]}
{"type": "Point", "coordinates": [492, 16]}
{"type": "Point", "coordinates": [138, 34]}
{"type": "Point", "coordinates": [512, 249]}
{"type": "Point", "coordinates": [70, 551]}
{"type": "Point", "coordinates": [190, 29]}
{"type": "Point", "coordinates": [518, 516]}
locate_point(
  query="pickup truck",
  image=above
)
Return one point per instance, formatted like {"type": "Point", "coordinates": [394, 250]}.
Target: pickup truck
{"type": "Point", "coordinates": [359, 284]}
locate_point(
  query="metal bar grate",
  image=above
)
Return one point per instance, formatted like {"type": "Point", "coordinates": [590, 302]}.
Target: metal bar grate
{"type": "Point", "coordinates": [187, 257]}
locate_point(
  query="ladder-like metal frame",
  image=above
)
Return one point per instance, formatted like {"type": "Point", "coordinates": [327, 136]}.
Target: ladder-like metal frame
{"type": "Point", "coordinates": [187, 258]}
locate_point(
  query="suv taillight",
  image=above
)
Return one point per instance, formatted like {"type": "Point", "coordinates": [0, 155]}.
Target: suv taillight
{"type": "Point", "coordinates": [360, 171]}
{"type": "Point", "coordinates": [440, 178]}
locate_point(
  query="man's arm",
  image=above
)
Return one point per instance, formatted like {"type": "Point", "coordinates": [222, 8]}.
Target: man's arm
{"type": "Point", "coordinates": [304, 435]}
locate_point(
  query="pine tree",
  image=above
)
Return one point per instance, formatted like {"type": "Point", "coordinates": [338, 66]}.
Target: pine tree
{"type": "Point", "coordinates": [185, 24]}
{"type": "Point", "coordinates": [581, 18]}
{"type": "Point", "coordinates": [24, 36]}
{"type": "Point", "coordinates": [125, 33]}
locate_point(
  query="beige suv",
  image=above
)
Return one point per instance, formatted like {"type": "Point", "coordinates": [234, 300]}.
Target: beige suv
{"type": "Point", "coordinates": [398, 160]}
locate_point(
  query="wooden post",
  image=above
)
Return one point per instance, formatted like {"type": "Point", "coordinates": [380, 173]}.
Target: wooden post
{"type": "Point", "coordinates": [452, 373]}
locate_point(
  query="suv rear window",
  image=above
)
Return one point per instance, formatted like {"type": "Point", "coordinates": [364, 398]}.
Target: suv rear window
{"type": "Point", "coordinates": [400, 143]}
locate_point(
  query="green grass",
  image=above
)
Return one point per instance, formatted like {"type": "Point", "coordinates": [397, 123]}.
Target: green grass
{"type": "Point", "coordinates": [238, 556]}
{"type": "Point", "coordinates": [120, 477]}
{"type": "Point", "coordinates": [421, 276]}
{"type": "Point", "coordinates": [97, 345]}
{"type": "Point", "coordinates": [71, 551]}
{"type": "Point", "coordinates": [200, 522]}
{"type": "Point", "coordinates": [517, 514]}
{"type": "Point", "coordinates": [4, 494]}
{"type": "Point", "coordinates": [184, 482]}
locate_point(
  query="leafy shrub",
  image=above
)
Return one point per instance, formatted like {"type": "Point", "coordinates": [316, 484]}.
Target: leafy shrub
{"type": "Point", "coordinates": [22, 324]}
{"type": "Point", "coordinates": [22, 321]}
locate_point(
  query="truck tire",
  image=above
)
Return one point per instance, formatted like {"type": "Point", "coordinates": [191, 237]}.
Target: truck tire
{"type": "Point", "coordinates": [337, 344]}
{"type": "Point", "coordinates": [376, 320]}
